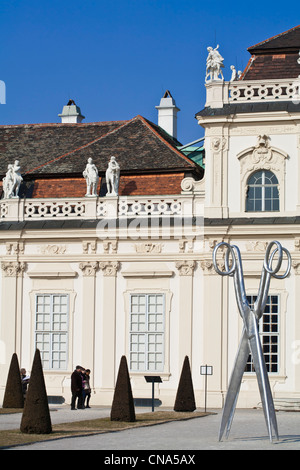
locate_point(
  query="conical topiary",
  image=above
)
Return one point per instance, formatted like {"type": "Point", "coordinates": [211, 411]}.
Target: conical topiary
{"type": "Point", "coordinates": [36, 414]}
{"type": "Point", "coordinates": [185, 398]}
{"type": "Point", "coordinates": [13, 395]}
{"type": "Point", "coordinates": [123, 406]}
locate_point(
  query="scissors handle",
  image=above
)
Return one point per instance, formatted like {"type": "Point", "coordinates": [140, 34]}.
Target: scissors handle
{"type": "Point", "coordinates": [268, 261]}
{"type": "Point", "coordinates": [229, 270]}
{"type": "Point", "coordinates": [233, 267]}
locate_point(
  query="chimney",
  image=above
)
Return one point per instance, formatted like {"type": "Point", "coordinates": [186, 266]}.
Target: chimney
{"type": "Point", "coordinates": [71, 113]}
{"type": "Point", "coordinates": [167, 114]}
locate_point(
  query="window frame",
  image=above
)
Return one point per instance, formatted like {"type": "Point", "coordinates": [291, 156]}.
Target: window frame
{"type": "Point", "coordinates": [265, 334]}
{"type": "Point", "coordinates": [147, 332]}
{"type": "Point", "coordinates": [262, 187]}
{"type": "Point", "coordinates": [48, 363]}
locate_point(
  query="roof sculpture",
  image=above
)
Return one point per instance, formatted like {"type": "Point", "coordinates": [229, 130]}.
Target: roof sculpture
{"type": "Point", "coordinates": [51, 155]}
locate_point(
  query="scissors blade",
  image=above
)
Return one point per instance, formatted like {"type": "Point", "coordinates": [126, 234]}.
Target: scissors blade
{"type": "Point", "coordinates": [234, 385]}
{"type": "Point", "coordinates": [263, 382]}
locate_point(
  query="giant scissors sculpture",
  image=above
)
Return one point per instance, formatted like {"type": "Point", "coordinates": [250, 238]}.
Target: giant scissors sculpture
{"type": "Point", "coordinates": [250, 341]}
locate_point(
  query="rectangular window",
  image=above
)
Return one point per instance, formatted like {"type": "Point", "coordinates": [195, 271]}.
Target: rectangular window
{"type": "Point", "coordinates": [269, 333]}
{"type": "Point", "coordinates": [51, 329]}
{"type": "Point", "coordinates": [147, 317]}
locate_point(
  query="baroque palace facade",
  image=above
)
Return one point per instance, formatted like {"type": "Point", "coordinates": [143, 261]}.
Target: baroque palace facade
{"type": "Point", "coordinates": [90, 276]}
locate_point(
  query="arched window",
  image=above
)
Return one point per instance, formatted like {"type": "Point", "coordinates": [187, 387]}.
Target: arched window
{"type": "Point", "coordinates": [262, 192]}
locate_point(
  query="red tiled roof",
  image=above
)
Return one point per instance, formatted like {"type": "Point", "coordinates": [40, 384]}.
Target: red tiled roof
{"type": "Point", "coordinates": [288, 40]}
{"type": "Point", "coordinates": [55, 152]}
{"type": "Point", "coordinates": [138, 146]}
{"type": "Point", "coordinates": [130, 185]}
{"type": "Point", "coordinates": [268, 67]}
{"type": "Point", "coordinates": [63, 149]}
{"type": "Point", "coordinates": [275, 57]}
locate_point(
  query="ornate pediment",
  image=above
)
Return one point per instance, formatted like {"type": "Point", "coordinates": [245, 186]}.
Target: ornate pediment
{"type": "Point", "coordinates": [261, 156]}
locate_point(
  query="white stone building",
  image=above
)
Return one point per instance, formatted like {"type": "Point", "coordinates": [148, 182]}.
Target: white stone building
{"type": "Point", "coordinates": [89, 279]}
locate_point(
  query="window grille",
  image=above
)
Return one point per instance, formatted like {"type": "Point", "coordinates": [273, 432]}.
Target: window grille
{"type": "Point", "coordinates": [262, 192]}
{"type": "Point", "coordinates": [51, 330]}
{"type": "Point", "coordinates": [269, 333]}
{"type": "Point", "coordinates": [147, 318]}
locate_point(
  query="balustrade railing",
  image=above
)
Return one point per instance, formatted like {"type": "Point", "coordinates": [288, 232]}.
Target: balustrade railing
{"type": "Point", "coordinates": [266, 90]}
{"type": "Point", "coordinates": [219, 93]}
{"type": "Point", "coordinates": [16, 209]}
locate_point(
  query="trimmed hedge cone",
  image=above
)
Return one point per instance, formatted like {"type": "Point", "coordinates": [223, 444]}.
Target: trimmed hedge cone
{"type": "Point", "coordinates": [36, 414]}
{"type": "Point", "coordinates": [13, 395]}
{"type": "Point", "coordinates": [123, 406]}
{"type": "Point", "coordinates": [185, 398]}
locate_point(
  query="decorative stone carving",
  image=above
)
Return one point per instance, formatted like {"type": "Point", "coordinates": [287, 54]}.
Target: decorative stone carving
{"type": "Point", "coordinates": [53, 249]}
{"type": "Point", "coordinates": [13, 268]}
{"type": "Point", "coordinates": [109, 268]}
{"type": "Point", "coordinates": [189, 185]}
{"type": "Point", "coordinates": [233, 73]}
{"type": "Point", "coordinates": [148, 247]}
{"type": "Point", "coordinates": [110, 245]}
{"type": "Point", "coordinates": [212, 242]}
{"type": "Point", "coordinates": [89, 246]}
{"type": "Point", "coordinates": [186, 245]}
{"type": "Point", "coordinates": [89, 268]}
{"type": "Point", "coordinates": [254, 131]}
{"type": "Point", "coordinates": [112, 176]}
{"type": "Point", "coordinates": [12, 181]}
{"type": "Point", "coordinates": [296, 266]}
{"type": "Point", "coordinates": [208, 266]}
{"type": "Point", "coordinates": [218, 143]}
{"type": "Point", "coordinates": [91, 176]}
{"type": "Point", "coordinates": [262, 151]}
{"type": "Point", "coordinates": [256, 246]}
{"type": "Point", "coordinates": [185, 268]}
{"type": "Point", "coordinates": [15, 248]}
{"type": "Point", "coordinates": [262, 156]}
{"type": "Point", "coordinates": [214, 64]}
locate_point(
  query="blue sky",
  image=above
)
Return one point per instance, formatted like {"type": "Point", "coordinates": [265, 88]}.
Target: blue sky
{"type": "Point", "coordinates": [116, 58]}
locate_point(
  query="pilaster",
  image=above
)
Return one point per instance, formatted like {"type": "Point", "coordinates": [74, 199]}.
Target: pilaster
{"type": "Point", "coordinates": [217, 172]}
{"type": "Point", "coordinates": [215, 326]}
{"type": "Point", "coordinates": [298, 170]}
{"type": "Point", "coordinates": [89, 270]}
{"type": "Point", "coordinates": [186, 275]}
{"type": "Point", "coordinates": [296, 353]}
{"type": "Point", "coordinates": [11, 311]}
{"type": "Point", "coordinates": [109, 269]}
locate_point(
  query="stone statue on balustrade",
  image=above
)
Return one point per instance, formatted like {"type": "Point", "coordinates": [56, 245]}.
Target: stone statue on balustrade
{"type": "Point", "coordinates": [12, 181]}
{"type": "Point", "coordinates": [92, 177]}
{"type": "Point", "coordinates": [112, 177]}
{"type": "Point", "coordinates": [214, 65]}
{"type": "Point", "coordinates": [235, 75]}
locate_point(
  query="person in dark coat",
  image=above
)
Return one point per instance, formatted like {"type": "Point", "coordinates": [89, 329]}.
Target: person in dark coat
{"type": "Point", "coordinates": [25, 381]}
{"type": "Point", "coordinates": [86, 388]}
{"type": "Point", "coordinates": [77, 388]}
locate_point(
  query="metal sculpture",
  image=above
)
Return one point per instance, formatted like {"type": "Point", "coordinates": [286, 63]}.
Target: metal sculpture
{"type": "Point", "coordinates": [250, 341]}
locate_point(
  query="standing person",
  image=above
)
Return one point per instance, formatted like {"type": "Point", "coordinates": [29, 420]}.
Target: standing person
{"type": "Point", "coordinates": [77, 388]}
{"type": "Point", "coordinates": [86, 388]}
{"type": "Point", "coordinates": [25, 381]}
